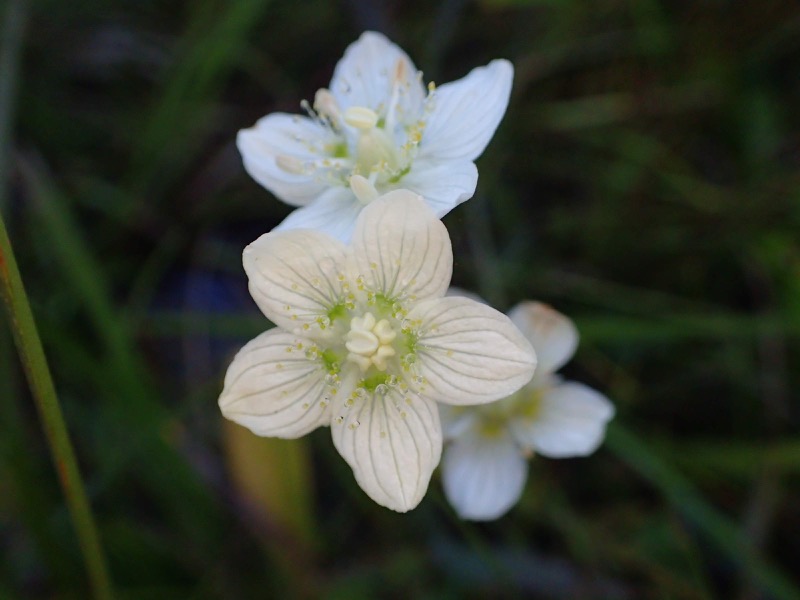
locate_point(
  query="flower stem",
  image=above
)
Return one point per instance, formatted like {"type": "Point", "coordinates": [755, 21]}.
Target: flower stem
{"type": "Point", "coordinates": [37, 372]}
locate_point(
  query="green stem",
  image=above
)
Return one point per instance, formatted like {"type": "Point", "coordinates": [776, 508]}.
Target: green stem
{"type": "Point", "coordinates": [37, 372]}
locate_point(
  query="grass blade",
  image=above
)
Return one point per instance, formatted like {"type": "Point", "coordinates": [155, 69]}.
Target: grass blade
{"type": "Point", "coordinates": [37, 372]}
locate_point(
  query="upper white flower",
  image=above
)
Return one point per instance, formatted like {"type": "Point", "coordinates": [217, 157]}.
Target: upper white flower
{"type": "Point", "coordinates": [485, 466]}
{"type": "Point", "coordinates": [377, 120]}
{"type": "Point", "coordinates": [367, 344]}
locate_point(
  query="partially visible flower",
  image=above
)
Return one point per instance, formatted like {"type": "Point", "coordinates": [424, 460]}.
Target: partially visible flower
{"type": "Point", "coordinates": [484, 467]}
{"type": "Point", "coordinates": [378, 121]}
{"type": "Point", "coordinates": [367, 344]}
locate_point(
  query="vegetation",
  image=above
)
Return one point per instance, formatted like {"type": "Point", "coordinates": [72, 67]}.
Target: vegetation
{"type": "Point", "coordinates": [644, 182]}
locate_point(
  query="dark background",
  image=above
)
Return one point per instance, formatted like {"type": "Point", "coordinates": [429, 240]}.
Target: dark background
{"type": "Point", "coordinates": [644, 181]}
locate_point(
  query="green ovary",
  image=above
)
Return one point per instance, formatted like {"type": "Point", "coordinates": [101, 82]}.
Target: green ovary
{"type": "Point", "coordinates": [529, 403]}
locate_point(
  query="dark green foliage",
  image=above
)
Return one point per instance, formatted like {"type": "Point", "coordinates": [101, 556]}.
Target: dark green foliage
{"type": "Point", "coordinates": [645, 181]}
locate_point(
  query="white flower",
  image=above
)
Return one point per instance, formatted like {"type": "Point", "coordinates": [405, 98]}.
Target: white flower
{"type": "Point", "coordinates": [377, 120]}
{"type": "Point", "coordinates": [484, 467]}
{"type": "Point", "coordinates": [367, 344]}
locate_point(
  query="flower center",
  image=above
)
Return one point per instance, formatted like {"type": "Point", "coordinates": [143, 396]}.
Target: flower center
{"type": "Point", "coordinates": [378, 143]}
{"type": "Point", "coordinates": [375, 149]}
{"type": "Point", "coordinates": [369, 342]}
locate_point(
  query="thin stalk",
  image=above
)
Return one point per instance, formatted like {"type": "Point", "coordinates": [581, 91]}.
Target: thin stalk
{"type": "Point", "coordinates": [31, 353]}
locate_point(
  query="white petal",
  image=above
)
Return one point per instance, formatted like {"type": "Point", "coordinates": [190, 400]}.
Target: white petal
{"type": "Point", "coordinates": [364, 75]}
{"type": "Point", "coordinates": [571, 421]}
{"type": "Point", "coordinates": [334, 212]}
{"type": "Point", "coordinates": [401, 248]}
{"type": "Point", "coordinates": [443, 184]}
{"type": "Point", "coordinates": [552, 335]}
{"type": "Point", "coordinates": [467, 112]}
{"type": "Point", "coordinates": [273, 392]}
{"type": "Point", "coordinates": [392, 443]}
{"type": "Point", "coordinates": [469, 353]}
{"type": "Point", "coordinates": [294, 275]}
{"type": "Point", "coordinates": [280, 134]}
{"type": "Point", "coordinates": [456, 420]}
{"type": "Point", "coordinates": [483, 476]}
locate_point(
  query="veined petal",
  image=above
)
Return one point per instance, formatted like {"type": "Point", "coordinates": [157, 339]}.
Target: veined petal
{"type": "Point", "coordinates": [467, 113]}
{"type": "Point", "coordinates": [294, 276]}
{"type": "Point", "coordinates": [401, 249]}
{"type": "Point", "coordinates": [469, 353]}
{"type": "Point", "coordinates": [335, 212]}
{"type": "Point", "coordinates": [457, 292]}
{"type": "Point", "coordinates": [365, 75]}
{"type": "Point", "coordinates": [571, 421]}
{"type": "Point", "coordinates": [552, 335]}
{"type": "Point", "coordinates": [443, 184]}
{"type": "Point", "coordinates": [392, 443]}
{"type": "Point", "coordinates": [483, 476]}
{"type": "Point", "coordinates": [273, 389]}
{"type": "Point", "coordinates": [293, 136]}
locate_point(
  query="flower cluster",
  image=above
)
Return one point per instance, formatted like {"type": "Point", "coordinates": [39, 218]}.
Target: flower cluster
{"type": "Point", "coordinates": [366, 342]}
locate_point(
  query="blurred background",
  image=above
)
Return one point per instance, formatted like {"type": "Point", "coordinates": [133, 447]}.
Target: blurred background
{"type": "Point", "coordinates": [645, 181]}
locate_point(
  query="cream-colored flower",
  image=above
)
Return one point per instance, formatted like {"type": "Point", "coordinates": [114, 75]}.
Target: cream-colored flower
{"type": "Point", "coordinates": [367, 344]}
{"type": "Point", "coordinates": [378, 121]}
{"type": "Point", "coordinates": [485, 464]}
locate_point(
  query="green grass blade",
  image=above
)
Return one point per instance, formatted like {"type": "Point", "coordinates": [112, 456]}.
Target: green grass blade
{"type": "Point", "coordinates": [34, 362]}
{"type": "Point", "coordinates": [215, 39]}
{"type": "Point", "coordinates": [720, 531]}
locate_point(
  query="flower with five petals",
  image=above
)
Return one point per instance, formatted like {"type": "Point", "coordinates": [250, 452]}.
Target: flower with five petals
{"type": "Point", "coordinates": [484, 467]}
{"type": "Point", "coordinates": [377, 120]}
{"type": "Point", "coordinates": [367, 344]}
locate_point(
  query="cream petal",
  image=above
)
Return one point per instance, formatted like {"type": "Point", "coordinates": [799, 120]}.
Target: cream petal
{"type": "Point", "coordinates": [273, 391]}
{"type": "Point", "coordinates": [467, 113]}
{"type": "Point", "coordinates": [401, 249]}
{"type": "Point", "coordinates": [469, 353]}
{"type": "Point", "coordinates": [444, 185]}
{"type": "Point", "coordinates": [483, 476]}
{"type": "Point", "coordinates": [571, 421]}
{"type": "Point", "coordinates": [552, 335]}
{"type": "Point", "coordinates": [365, 74]}
{"type": "Point", "coordinates": [393, 443]}
{"type": "Point", "coordinates": [294, 276]}
{"type": "Point", "coordinates": [334, 212]}
{"type": "Point", "coordinates": [279, 134]}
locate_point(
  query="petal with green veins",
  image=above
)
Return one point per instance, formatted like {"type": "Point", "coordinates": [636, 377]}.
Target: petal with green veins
{"type": "Point", "coordinates": [469, 353]}
{"type": "Point", "coordinates": [401, 249]}
{"type": "Point", "coordinates": [295, 276]}
{"type": "Point", "coordinates": [274, 389]}
{"type": "Point", "coordinates": [392, 442]}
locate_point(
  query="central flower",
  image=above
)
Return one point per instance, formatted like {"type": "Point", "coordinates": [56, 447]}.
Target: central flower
{"type": "Point", "coordinates": [367, 344]}
{"type": "Point", "coordinates": [379, 122]}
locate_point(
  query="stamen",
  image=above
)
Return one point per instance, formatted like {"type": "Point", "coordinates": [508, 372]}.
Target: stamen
{"type": "Point", "coordinates": [360, 117]}
{"type": "Point", "coordinates": [290, 164]}
{"type": "Point", "coordinates": [368, 342]}
{"type": "Point", "coordinates": [325, 104]}
{"type": "Point", "coordinates": [363, 189]}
